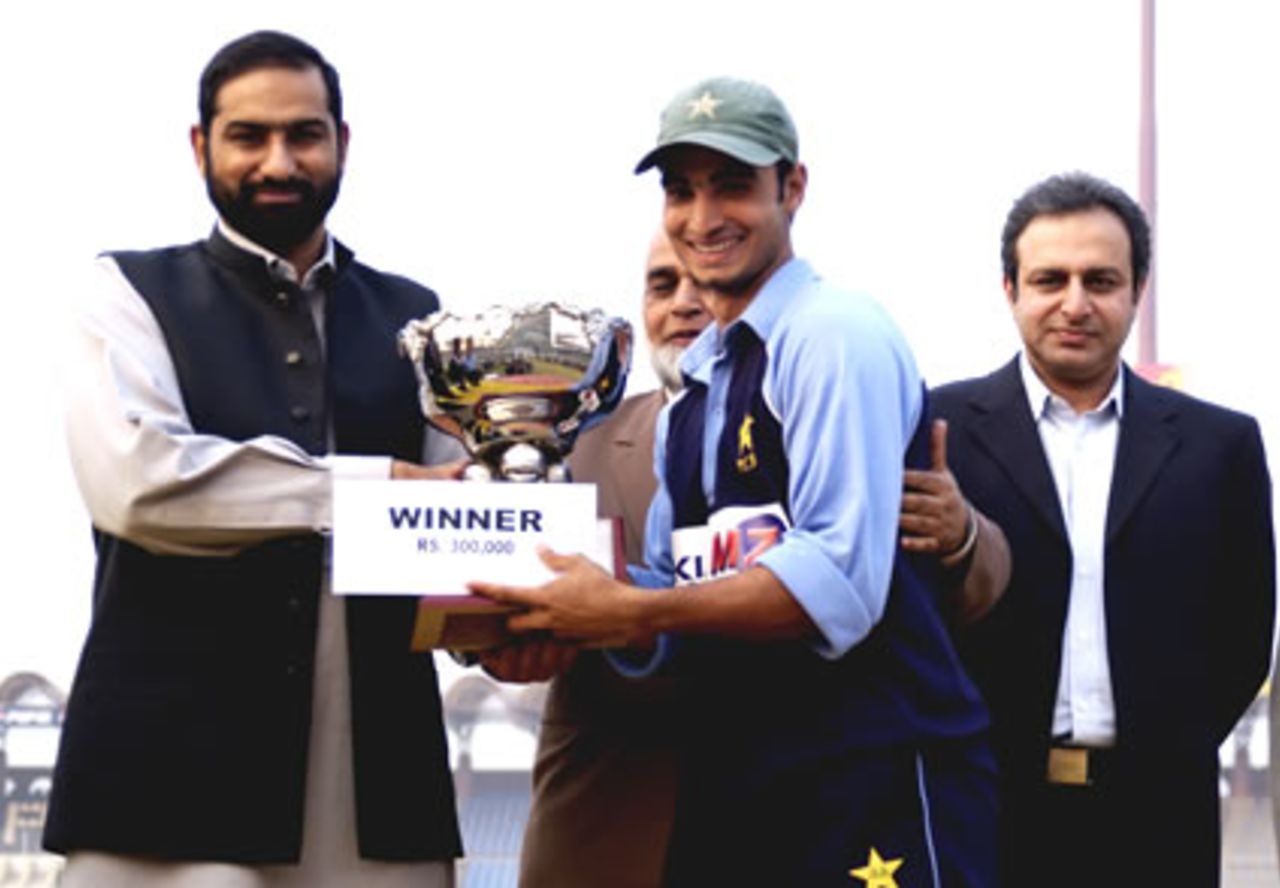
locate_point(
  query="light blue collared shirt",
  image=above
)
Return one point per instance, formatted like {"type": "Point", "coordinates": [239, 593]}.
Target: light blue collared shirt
{"type": "Point", "coordinates": [845, 388]}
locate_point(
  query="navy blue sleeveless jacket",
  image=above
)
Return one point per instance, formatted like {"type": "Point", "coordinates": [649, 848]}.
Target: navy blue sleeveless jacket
{"type": "Point", "coordinates": [902, 684]}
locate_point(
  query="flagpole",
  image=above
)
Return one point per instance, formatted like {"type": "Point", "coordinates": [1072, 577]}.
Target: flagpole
{"type": "Point", "coordinates": [1147, 178]}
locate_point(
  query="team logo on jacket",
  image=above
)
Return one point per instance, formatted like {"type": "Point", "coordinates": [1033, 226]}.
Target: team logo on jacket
{"type": "Point", "coordinates": [746, 446]}
{"type": "Point", "coordinates": [732, 540]}
{"type": "Point", "coordinates": [878, 873]}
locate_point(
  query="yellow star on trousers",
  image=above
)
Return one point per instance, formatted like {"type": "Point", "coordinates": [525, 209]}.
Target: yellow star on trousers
{"type": "Point", "coordinates": [704, 106]}
{"type": "Point", "coordinates": [878, 873]}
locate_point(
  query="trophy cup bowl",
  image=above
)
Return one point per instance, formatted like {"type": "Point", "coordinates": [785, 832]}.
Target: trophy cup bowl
{"type": "Point", "coordinates": [518, 385]}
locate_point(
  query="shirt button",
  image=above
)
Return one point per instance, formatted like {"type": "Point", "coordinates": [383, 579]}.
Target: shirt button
{"type": "Point", "coordinates": [293, 358]}
{"type": "Point", "coordinates": [282, 298]}
{"type": "Point", "coordinates": [300, 413]}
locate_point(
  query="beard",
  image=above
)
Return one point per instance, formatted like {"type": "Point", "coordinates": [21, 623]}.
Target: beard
{"type": "Point", "coordinates": [666, 364]}
{"type": "Point", "coordinates": [733, 287]}
{"type": "Point", "coordinates": [767, 254]}
{"type": "Point", "coordinates": [278, 227]}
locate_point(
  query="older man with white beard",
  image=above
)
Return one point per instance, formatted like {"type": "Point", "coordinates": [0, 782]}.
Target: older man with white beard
{"type": "Point", "coordinates": [605, 775]}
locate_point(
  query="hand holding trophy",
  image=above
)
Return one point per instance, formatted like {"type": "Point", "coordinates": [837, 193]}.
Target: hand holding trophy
{"type": "Point", "coordinates": [516, 386]}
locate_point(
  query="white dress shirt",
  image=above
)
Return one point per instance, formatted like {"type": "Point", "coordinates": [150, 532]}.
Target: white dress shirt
{"type": "Point", "coordinates": [1081, 450]}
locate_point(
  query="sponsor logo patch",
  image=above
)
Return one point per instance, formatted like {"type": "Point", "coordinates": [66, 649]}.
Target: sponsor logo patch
{"type": "Point", "coordinates": [732, 540]}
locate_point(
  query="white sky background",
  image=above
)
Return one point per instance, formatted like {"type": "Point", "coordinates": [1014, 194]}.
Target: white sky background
{"type": "Point", "coordinates": [491, 152]}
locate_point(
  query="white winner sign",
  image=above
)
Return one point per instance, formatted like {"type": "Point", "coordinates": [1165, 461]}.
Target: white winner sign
{"type": "Point", "coordinates": [430, 538]}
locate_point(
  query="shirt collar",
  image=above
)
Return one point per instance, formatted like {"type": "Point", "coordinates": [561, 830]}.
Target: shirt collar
{"type": "Point", "coordinates": [1040, 398]}
{"type": "Point", "coordinates": [761, 316]}
{"type": "Point", "coordinates": [279, 267]}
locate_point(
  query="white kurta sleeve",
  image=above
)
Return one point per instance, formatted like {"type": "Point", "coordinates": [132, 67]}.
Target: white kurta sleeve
{"type": "Point", "coordinates": [145, 474]}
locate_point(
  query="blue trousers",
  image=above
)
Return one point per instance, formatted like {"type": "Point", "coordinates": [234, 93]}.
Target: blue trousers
{"type": "Point", "coordinates": [924, 816]}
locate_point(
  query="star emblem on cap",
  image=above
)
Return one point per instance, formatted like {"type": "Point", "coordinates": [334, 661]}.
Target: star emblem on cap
{"type": "Point", "coordinates": [704, 106]}
{"type": "Point", "coordinates": [878, 873]}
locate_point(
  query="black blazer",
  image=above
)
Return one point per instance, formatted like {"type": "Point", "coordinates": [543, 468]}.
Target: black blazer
{"type": "Point", "coordinates": [1189, 579]}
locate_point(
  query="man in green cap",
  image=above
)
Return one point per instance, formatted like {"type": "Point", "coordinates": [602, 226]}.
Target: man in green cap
{"type": "Point", "coordinates": [830, 737]}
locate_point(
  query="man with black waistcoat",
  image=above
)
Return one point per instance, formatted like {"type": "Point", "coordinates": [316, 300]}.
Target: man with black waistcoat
{"type": "Point", "coordinates": [829, 736]}
{"type": "Point", "coordinates": [1137, 625]}
{"type": "Point", "coordinates": [231, 723]}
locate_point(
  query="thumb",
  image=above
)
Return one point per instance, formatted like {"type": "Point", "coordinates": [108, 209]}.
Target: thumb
{"type": "Point", "coordinates": [938, 445]}
{"type": "Point", "coordinates": [554, 560]}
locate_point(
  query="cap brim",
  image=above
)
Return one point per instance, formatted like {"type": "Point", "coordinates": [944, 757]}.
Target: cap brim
{"type": "Point", "coordinates": [744, 150]}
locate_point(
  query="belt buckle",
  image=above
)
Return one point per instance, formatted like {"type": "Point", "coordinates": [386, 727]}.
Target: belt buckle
{"type": "Point", "coordinates": [1068, 766]}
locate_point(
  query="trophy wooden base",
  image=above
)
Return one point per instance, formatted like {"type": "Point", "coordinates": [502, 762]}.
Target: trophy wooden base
{"type": "Point", "coordinates": [473, 624]}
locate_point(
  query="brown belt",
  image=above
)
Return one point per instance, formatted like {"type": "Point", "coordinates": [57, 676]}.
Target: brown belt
{"type": "Point", "coordinates": [1077, 765]}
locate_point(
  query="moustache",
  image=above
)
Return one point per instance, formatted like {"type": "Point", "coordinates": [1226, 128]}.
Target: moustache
{"type": "Point", "coordinates": [249, 190]}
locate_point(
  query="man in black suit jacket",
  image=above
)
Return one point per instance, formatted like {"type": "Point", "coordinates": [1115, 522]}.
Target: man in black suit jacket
{"type": "Point", "coordinates": [1137, 625]}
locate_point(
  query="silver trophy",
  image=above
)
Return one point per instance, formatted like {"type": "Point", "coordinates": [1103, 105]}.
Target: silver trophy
{"type": "Point", "coordinates": [517, 385]}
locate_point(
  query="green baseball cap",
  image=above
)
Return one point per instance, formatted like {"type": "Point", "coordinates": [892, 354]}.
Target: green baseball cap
{"type": "Point", "coordinates": [739, 118]}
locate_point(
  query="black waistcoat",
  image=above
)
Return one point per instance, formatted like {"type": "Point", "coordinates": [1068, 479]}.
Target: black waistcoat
{"type": "Point", "coordinates": [186, 732]}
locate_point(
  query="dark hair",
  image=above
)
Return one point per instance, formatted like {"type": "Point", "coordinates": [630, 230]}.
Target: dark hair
{"type": "Point", "coordinates": [1074, 193]}
{"type": "Point", "coordinates": [783, 168]}
{"type": "Point", "coordinates": [264, 49]}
